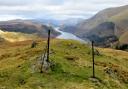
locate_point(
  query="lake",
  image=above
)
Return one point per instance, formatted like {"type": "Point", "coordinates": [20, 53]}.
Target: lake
{"type": "Point", "coordinates": [66, 35]}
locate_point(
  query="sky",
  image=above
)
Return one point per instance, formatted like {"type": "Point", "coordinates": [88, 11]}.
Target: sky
{"type": "Point", "coordinates": [54, 9]}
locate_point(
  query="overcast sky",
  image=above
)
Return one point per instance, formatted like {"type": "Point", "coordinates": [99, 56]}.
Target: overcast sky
{"type": "Point", "coordinates": [54, 9]}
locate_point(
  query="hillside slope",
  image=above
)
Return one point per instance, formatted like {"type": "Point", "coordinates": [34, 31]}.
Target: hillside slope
{"type": "Point", "coordinates": [99, 18]}
{"type": "Point", "coordinates": [69, 72]}
{"type": "Point", "coordinates": [98, 24]}
{"type": "Point", "coordinates": [27, 27]}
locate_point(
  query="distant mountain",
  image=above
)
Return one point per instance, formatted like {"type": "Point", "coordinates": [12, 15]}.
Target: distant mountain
{"type": "Point", "coordinates": [103, 16]}
{"type": "Point", "coordinates": [70, 25]}
{"type": "Point", "coordinates": [68, 28]}
{"type": "Point", "coordinates": [106, 27]}
{"type": "Point", "coordinates": [47, 21]}
{"type": "Point", "coordinates": [53, 22]}
{"type": "Point", "coordinates": [27, 27]}
{"type": "Point", "coordinates": [70, 22]}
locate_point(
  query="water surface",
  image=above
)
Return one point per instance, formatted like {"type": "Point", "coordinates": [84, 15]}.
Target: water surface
{"type": "Point", "coordinates": [66, 35]}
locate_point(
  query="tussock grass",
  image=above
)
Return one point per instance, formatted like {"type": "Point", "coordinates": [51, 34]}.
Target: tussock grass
{"type": "Point", "coordinates": [17, 59]}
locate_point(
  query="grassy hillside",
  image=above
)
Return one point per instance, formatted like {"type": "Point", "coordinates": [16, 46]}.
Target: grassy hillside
{"type": "Point", "coordinates": [123, 39]}
{"type": "Point", "coordinates": [72, 67]}
{"type": "Point", "coordinates": [121, 16]}
{"type": "Point", "coordinates": [17, 36]}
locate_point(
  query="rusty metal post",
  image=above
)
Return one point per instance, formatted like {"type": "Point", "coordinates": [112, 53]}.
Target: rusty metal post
{"type": "Point", "coordinates": [48, 46]}
{"type": "Point", "coordinates": [93, 59]}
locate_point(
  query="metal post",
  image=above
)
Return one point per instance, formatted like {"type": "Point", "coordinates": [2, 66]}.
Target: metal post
{"type": "Point", "coordinates": [48, 46]}
{"type": "Point", "coordinates": [93, 59]}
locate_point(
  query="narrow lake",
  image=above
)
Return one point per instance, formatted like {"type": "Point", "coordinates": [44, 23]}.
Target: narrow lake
{"type": "Point", "coordinates": [66, 35]}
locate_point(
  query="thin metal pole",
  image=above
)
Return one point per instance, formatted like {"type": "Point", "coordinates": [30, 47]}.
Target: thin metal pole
{"type": "Point", "coordinates": [93, 59]}
{"type": "Point", "coordinates": [48, 46]}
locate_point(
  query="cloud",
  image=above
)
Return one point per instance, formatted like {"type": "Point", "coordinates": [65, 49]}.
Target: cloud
{"type": "Point", "coordinates": [56, 9]}
{"type": "Point", "coordinates": [10, 17]}
{"type": "Point", "coordinates": [29, 2]}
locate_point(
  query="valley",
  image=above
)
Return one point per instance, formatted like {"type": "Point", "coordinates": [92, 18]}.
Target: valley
{"type": "Point", "coordinates": [107, 28]}
{"type": "Point", "coordinates": [63, 44]}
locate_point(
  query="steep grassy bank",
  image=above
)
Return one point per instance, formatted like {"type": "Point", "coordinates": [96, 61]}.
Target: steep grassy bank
{"type": "Point", "coordinates": [72, 69]}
